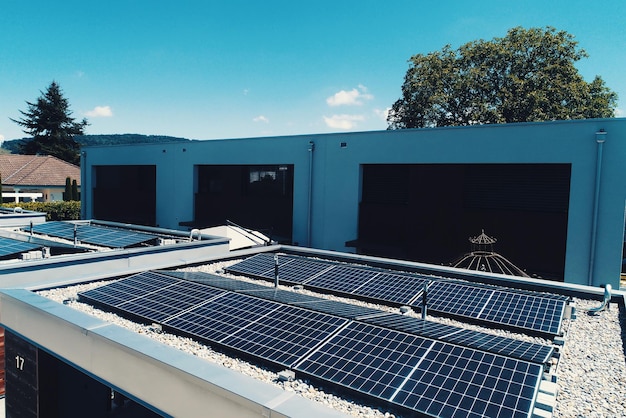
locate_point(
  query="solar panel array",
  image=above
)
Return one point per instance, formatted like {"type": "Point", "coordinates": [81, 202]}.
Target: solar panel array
{"type": "Point", "coordinates": [533, 352]}
{"type": "Point", "coordinates": [92, 234]}
{"type": "Point", "coordinates": [11, 247]}
{"type": "Point", "coordinates": [526, 311]}
{"type": "Point", "coordinates": [392, 364]}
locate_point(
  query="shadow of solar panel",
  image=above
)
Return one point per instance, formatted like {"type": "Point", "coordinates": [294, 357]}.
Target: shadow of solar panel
{"type": "Point", "coordinates": [426, 376]}
{"type": "Point", "coordinates": [274, 332]}
{"type": "Point", "coordinates": [509, 347]}
{"type": "Point", "coordinates": [10, 247]}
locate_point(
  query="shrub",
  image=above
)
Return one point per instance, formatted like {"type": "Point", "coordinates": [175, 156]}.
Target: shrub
{"type": "Point", "coordinates": [55, 211]}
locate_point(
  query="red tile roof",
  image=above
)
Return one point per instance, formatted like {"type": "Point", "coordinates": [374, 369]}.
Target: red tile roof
{"type": "Point", "coordinates": [35, 170]}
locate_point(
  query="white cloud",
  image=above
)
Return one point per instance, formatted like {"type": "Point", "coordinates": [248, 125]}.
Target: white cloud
{"type": "Point", "coordinates": [354, 97]}
{"type": "Point", "coordinates": [382, 114]}
{"type": "Point", "coordinates": [1, 139]}
{"type": "Point", "coordinates": [343, 121]}
{"type": "Point", "coordinates": [100, 112]}
{"type": "Point", "coordinates": [261, 118]}
{"type": "Point", "coordinates": [619, 113]}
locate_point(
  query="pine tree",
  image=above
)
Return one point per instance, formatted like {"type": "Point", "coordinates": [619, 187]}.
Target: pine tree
{"type": "Point", "coordinates": [67, 194]}
{"type": "Point", "coordinates": [75, 195]}
{"type": "Point", "coordinates": [49, 123]}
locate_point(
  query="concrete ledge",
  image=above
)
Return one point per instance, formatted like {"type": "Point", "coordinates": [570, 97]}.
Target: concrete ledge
{"type": "Point", "coordinates": [160, 377]}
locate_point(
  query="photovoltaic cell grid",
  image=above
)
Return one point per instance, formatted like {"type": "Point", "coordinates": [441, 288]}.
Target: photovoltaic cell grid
{"type": "Point", "coordinates": [394, 366]}
{"type": "Point", "coordinates": [517, 309]}
{"type": "Point", "coordinates": [423, 375]}
{"type": "Point", "coordinates": [91, 234]}
{"type": "Point", "coordinates": [541, 313]}
{"type": "Point", "coordinates": [10, 247]}
{"type": "Point", "coordinates": [509, 347]}
{"type": "Point", "coordinates": [151, 296]}
{"type": "Point", "coordinates": [354, 280]}
{"type": "Point", "coordinates": [533, 352]}
{"type": "Point", "coordinates": [266, 329]}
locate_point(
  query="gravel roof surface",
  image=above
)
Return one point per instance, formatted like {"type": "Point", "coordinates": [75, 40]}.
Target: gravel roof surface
{"type": "Point", "coordinates": [591, 371]}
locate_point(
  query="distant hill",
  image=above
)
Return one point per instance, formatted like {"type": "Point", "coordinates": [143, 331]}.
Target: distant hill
{"type": "Point", "coordinates": [97, 140]}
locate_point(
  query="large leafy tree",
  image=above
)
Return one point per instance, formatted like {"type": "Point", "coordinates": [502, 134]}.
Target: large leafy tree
{"type": "Point", "coordinates": [529, 75]}
{"type": "Point", "coordinates": [50, 124]}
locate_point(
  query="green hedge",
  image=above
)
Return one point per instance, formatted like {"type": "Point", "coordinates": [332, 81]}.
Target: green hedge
{"type": "Point", "coordinates": [55, 211]}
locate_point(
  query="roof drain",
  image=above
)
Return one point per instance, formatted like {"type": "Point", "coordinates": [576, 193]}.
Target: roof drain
{"type": "Point", "coordinates": [606, 303]}
{"type": "Point", "coordinates": [196, 232]}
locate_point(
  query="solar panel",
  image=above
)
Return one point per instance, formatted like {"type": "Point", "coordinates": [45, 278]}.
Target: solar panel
{"type": "Point", "coordinates": [274, 332]}
{"type": "Point", "coordinates": [527, 311]}
{"type": "Point", "coordinates": [510, 347]}
{"type": "Point", "coordinates": [92, 234]}
{"type": "Point", "coordinates": [259, 265]}
{"type": "Point", "coordinates": [213, 280]}
{"type": "Point", "coordinates": [394, 287]}
{"type": "Point", "coordinates": [151, 296]}
{"type": "Point", "coordinates": [57, 229]}
{"type": "Point", "coordinates": [10, 247]}
{"type": "Point", "coordinates": [112, 238]}
{"type": "Point", "coordinates": [524, 310]}
{"type": "Point", "coordinates": [424, 375]}
{"type": "Point", "coordinates": [341, 278]}
{"type": "Point", "coordinates": [411, 371]}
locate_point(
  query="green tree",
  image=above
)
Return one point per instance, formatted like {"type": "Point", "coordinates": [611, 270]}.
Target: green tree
{"type": "Point", "coordinates": [529, 75]}
{"type": "Point", "coordinates": [75, 194]}
{"type": "Point", "coordinates": [50, 124]}
{"type": "Point", "coordinates": [67, 194]}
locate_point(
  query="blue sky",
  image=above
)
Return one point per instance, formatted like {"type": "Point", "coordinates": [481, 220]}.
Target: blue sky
{"type": "Point", "coordinates": [205, 70]}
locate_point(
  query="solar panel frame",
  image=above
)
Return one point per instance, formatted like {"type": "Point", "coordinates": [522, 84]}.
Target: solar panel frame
{"type": "Point", "coordinates": [509, 347]}
{"type": "Point", "coordinates": [421, 374]}
{"type": "Point", "coordinates": [403, 290]}
{"type": "Point", "coordinates": [92, 234]}
{"type": "Point", "coordinates": [523, 310]}
{"type": "Point", "coordinates": [259, 265]}
{"type": "Point", "coordinates": [150, 296]}
{"type": "Point", "coordinates": [341, 278]}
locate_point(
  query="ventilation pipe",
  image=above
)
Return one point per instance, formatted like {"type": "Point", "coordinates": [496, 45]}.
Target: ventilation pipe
{"type": "Point", "coordinates": [193, 232]}
{"type": "Point", "coordinates": [600, 138]}
{"type": "Point", "coordinates": [606, 302]}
